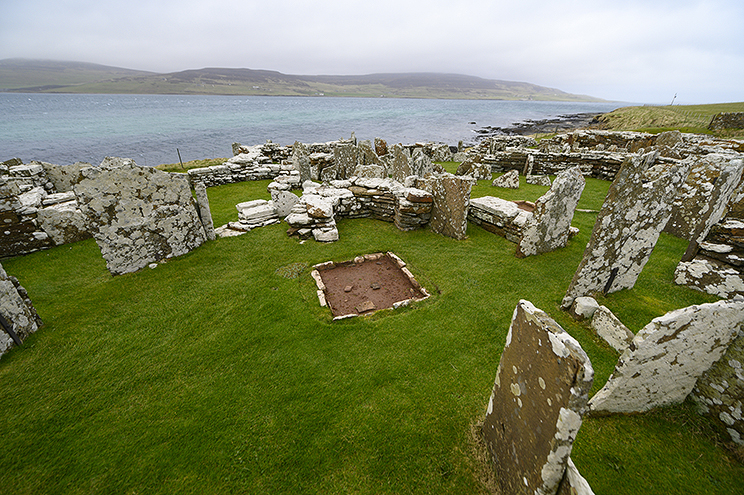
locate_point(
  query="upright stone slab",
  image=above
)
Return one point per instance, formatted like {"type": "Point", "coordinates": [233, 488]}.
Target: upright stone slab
{"type": "Point", "coordinates": [17, 311]}
{"type": "Point", "coordinates": [421, 164]}
{"type": "Point", "coordinates": [705, 194]}
{"type": "Point", "coordinates": [205, 212]}
{"type": "Point", "coordinates": [636, 210]}
{"type": "Point", "coordinates": [449, 213]}
{"type": "Point", "coordinates": [381, 147]}
{"type": "Point", "coordinates": [668, 355]}
{"type": "Point", "coordinates": [138, 215]}
{"type": "Point", "coordinates": [548, 229]}
{"type": "Point", "coordinates": [510, 180]}
{"type": "Point", "coordinates": [539, 398]}
{"type": "Point", "coordinates": [400, 167]}
{"type": "Point", "coordinates": [283, 201]}
{"type": "Point", "coordinates": [301, 161]}
{"type": "Point", "coordinates": [345, 160]}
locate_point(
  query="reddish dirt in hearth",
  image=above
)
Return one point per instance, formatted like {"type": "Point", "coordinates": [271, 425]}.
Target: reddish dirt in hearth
{"type": "Point", "coordinates": [362, 277]}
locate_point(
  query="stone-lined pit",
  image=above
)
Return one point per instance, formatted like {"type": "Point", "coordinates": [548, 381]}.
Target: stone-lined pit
{"type": "Point", "coordinates": [366, 284]}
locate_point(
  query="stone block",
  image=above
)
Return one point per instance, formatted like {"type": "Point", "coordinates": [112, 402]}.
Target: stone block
{"type": "Point", "coordinates": [283, 201]}
{"type": "Point", "coordinates": [635, 211]}
{"type": "Point", "coordinates": [667, 356]}
{"type": "Point", "coordinates": [509, 180]}
{"type": "Point", "coordinates": [138, 215]}
{"type": "Point", "coordinates": [611, 329]}
{"type": "Point", "coordinates": [583, 308]}
{"type": "Point", "coordinates": [17, 310]}
{"type": "Point", "coordinates": [449, 212]}
{"type": "Point", "coordinates": [64, 223]}
{"type": "Point", "coordinates": [537, 404]}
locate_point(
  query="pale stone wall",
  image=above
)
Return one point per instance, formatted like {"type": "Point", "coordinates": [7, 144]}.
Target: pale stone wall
{"type": "Point", "coordinates": [16, 311]}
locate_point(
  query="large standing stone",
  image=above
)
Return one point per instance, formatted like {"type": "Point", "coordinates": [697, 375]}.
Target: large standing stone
{"type": "Point", "coordinates": [17, 311]}
{"type": "Point", "coordinates": [283, 201]}
{"type": "Point", "coordinates": [449, 213]}
{"type": "Point", "coordinates": [548, 229]}
{"type": "Point", "coordinates": [703, 197]}
{"type": "Point", "coordinates": [138, 215]}
{"type": "Point", "coordinates": [539, 398]}
{"type": "Point", "coordinates": [400, 168]}
{"type": "Point", "coordinates": [345, 158]}
{"type": "Point", "coordinates": [205, 212]}
{"type": "Point", "coordinates": [668, 355]}
{"type": "Point", "coordinates": [301, 161]}
{"type": "Point", "coordinates": [633, 215]}
{"type": "Point", "coordinates": [421, 164]}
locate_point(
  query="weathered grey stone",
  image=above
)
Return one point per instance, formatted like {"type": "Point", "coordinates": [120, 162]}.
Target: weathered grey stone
{"type": "Point", "coordinates": [205, 212]}
{"type": "Point", "coordinates": [64, 177]}
{"type": "Point", "coordinates": [345, 158]}
{"type": "Point", "coordinates": [711, 276]}
{"type": "Point", "coordinates": [18, 311]}
{"type": "Point", "coordinates": [256, 212]}
{"type": "Point", "coordinates": [538, 180]}
{"type": "Point", "coordinates": [138, 215]}
{"type": "Point", "coordinates": [509, 180]}
{"type": "Point", "coordinates": [283, 201]}
{"type": "Point", "coordinates": [583, 308]}
{"type": "Point", "coordinates": [719, 392]}
{"type": "Point", "coordinates": [548, 229]}
{"type": "Point", "coordinates": [538, 400]}
{"type": "Point", "coordinates": [64, 223]}
{"type": "Point", "coordinates": [573, 483]}
{"type": "Point", "coordinates": [318, 206]}
{"type": "Point", "coordinates": [400, 167]}
{"type": "Point", "coordinates": [611, 329]}
{"type": "Point", "coordinates": [301, 161]}
{"type": "Point", "coordinates": [421, 164]}
{"type": "Point", "coordinates": [381, 147]}
{"type": "Point", "coordinates": [370, 171]}
{"type": "Point", "coordinates": [668, 355]}
{"type": "Point", "coordinates": [451, 195]}
{"type": "Point", "coordinates": [704, 196]}
{"type": "Point", "coordinates": [635, 211]}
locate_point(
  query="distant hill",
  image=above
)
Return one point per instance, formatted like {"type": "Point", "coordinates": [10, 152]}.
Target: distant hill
{"type": "Point", "coordinates": [37, 76]}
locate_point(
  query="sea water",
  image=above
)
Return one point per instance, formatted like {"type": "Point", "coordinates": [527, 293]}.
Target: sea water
{"type": "Point", "coordinates": [153, 129]}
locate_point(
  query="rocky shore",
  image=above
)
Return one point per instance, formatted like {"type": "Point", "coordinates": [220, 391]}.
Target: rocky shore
{"type": "Point", "coordinates": [561, 123]}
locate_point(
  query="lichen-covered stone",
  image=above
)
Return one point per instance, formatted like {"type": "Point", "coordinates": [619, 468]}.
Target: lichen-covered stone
{"type": "Point", "coordinates": [611, 329]}
{"type": "Point", "coordinates": [205, 212]}
{"type": "Point", "coordinates": [451, 195]}
{"type": "Point", "coordinates": [509, 180]}
{"type": "Point", "coordinates": [548, 229]}
{"type": "Point", "coordinates": [538, 400]}
{"type": "Point", "coordinates": [301, 160]}
{"type": "Point", "coordinates": [138, 215]}
{"type": "Point", "coordinates": [345, 158]}
{"type": "Point", "coordinates": [64, 177]}
{"type": "Point", "coordinates": [719, 392]}
{"type": "Point", "coordinates": [633, 215]}
{"type": "Point", "coordinates": [704, 196]}
{"type": "Point", "coordinates": [711, 276]}
{"type": "Point", "coordinates": [64, 223]}
{"type": "Point", "coordinates": [667, 356]}
{"type": "Point", "coordinates": [17, 310]}
{"type": "Point", "coordinates": [400, 166]}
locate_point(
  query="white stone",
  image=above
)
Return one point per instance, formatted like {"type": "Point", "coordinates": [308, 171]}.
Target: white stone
{"type": "Point", "coordinates": [611, 329]}
{"type": "Point", "coordinates": [584, 307]}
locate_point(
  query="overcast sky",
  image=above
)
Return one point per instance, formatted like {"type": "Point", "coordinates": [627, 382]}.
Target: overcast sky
{"type": "Point", "coordinates": [635, 51]}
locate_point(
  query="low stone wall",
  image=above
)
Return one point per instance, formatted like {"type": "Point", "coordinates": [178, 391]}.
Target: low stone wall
{"type": "Point", "coordinates": [18, 318]}
{"type": "Point", "coordinates": [727, 120]}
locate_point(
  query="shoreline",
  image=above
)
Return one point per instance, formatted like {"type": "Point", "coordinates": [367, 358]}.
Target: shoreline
{"type": "Point", "coordinates": [565, 122]}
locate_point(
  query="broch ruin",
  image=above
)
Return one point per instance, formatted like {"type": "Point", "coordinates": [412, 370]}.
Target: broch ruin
{"type": "Point", "coordinates": [689, 186]}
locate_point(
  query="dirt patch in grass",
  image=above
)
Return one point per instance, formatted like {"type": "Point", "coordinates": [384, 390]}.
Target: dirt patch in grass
{"type": "Point", "coordinates": [367, 284]}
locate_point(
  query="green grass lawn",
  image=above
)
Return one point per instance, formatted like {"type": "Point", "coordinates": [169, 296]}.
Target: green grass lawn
{"type": "Point", "coordinates": [215, 374]}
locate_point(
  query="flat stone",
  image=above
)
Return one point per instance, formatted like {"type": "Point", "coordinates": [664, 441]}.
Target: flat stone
{"type": "Point", "coordinates": [366, 306]}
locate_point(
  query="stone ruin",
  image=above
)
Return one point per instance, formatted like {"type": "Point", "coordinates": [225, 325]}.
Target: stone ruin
{"type": "Point", "coordinates": [18, 317]}
{"type": "Point", "coordinates": [636, 210]}
{"type": "Point", "coordinates": [536, 407]}
{"type": "Point", "coordinates": [138, 215]}
{"type": "Point", "coordinates": [538, 227]}
{"type": "Point", "coordinates": [366, 285]}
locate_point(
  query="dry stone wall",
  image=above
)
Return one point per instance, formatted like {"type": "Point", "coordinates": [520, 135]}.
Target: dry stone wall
{"type": "Point", "coordinates": [18, 317]}
{"type": "Point", "coordinates": [727, 120]}
{"type": "Point", "coordinates": [719, 392]}
{"type": "Point", "coordinates": [537, 403]}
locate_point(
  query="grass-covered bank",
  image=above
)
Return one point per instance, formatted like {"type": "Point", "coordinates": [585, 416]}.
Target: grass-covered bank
{"type": "Point", "coordinates": [215, 374]}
